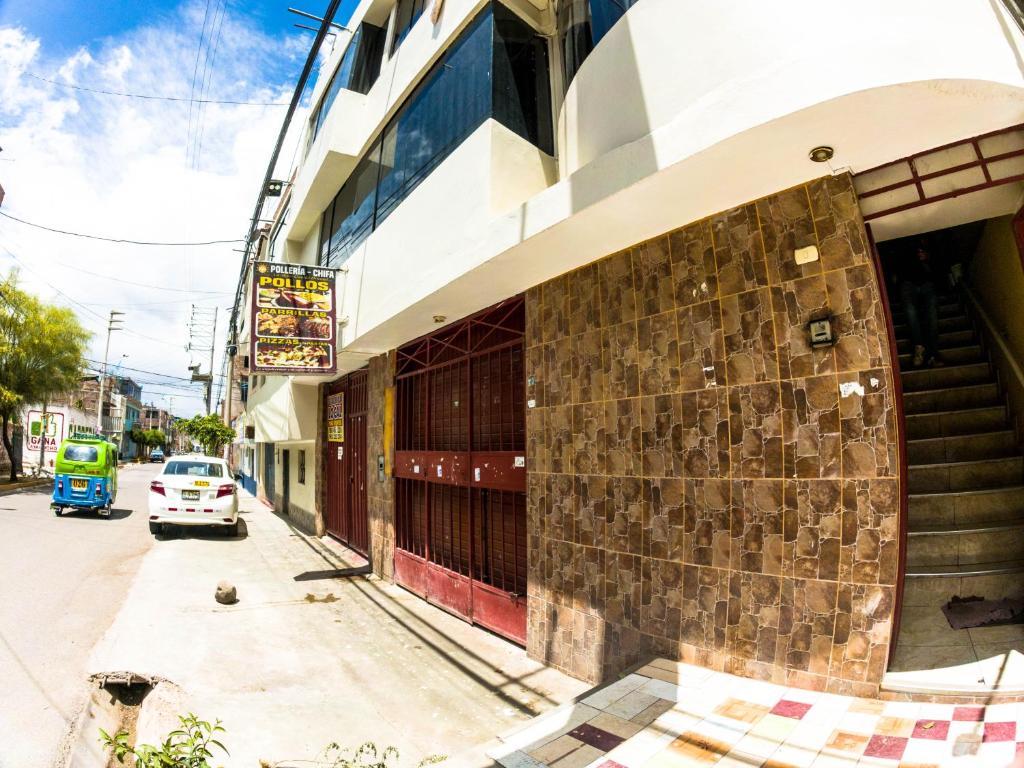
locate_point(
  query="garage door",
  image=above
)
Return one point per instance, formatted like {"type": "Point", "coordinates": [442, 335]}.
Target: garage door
{"type": "Point", "coordinates": [460, 468]}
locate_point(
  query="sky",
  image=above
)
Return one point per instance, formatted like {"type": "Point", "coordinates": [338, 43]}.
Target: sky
{"type": "Point", "coordinates": [142, 169]}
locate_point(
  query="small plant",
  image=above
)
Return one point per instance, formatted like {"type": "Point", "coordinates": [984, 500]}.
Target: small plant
{"type": "Point", "coordinates": [368, 755]}
{"type": "Point", "coordinates": [187, 747]}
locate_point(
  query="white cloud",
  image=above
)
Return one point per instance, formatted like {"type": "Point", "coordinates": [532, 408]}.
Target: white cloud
{"type": "Point", "coordinates": [140, 169]}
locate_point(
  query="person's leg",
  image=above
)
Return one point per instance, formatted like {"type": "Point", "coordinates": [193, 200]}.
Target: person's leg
{"type": "Point", "coordinates": [929, 307]}
{"type": "Point", "coordinates": [908, 291]}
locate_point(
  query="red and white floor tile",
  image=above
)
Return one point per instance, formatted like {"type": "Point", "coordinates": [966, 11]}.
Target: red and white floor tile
{"type": "Point", "coordinates": [673, 715]}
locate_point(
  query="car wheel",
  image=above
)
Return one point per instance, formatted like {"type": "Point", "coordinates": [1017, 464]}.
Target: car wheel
{"type": "Point", "coordinates": [57, 511]}
{"type": "Point", "coordinates": [231, 531]}
{"type": "Point", "coordinates": [156, 528]}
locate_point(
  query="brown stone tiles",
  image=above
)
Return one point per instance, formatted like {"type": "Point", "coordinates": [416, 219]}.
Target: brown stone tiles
{"type": "Point", "coordinates": [795, 304]}
{"type": "Point", "coordinates": [838, 223]}
{"type": "Point", "coordinates": [618, 299]}
{"type": "Point", "coordinates": [870, 532]}
{"type": "Point", "coordinates": [705, 433]}
{"type": "Point", "coordinates": [812, 528]}
{"type": "Point", "coordinates": [584, 300]}
{"type": "Point", "coordinates": [589, 426]}
{"type": "Point", "coordinates": [693, 264]}
{"type": "Point", "coordinates": [652, 277]}
{"type": "Point", "coordinates": [810, 409]}
{"type": "Point", "coordinates": [739, 251]}
{"type": "Point", "coordinates": [747, 323]}
{"type": "Point", "coordinates": [757, 515]}
{"type": "Point", "coordinates": [702, 484]}
{"type": "Point", "coordinates": [621, 360]}
{"type": "Point", "coordinates": [786, 226]}
{"type": "Point", "coordinates": [554, 312]}
{"type": "Point", "coordinates": [867, 421]}
{"type": "Point", "coordinates": [702, 357]}
{"type": "Point", "coordinates": [859, 320]}
{"type": "Point", "coordinates": [588, 375]}
{"type": "Point", "coordinates": [755, 430]}
{"type": "Point", "coordinates": [658, 354]}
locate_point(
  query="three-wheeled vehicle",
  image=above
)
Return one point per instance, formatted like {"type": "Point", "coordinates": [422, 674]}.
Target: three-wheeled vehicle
{"type": "Point", "coordinates": [85, 475]}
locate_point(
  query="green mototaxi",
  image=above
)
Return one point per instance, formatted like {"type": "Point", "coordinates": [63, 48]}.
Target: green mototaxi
{"type": "Point", "coordinates": [85, 475]}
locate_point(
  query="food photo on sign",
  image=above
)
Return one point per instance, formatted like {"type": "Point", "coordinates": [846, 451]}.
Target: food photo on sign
{"type": "Point", "coordinates": [293, 319]}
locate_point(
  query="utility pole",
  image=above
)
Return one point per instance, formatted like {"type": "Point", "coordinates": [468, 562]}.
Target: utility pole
{"type": "Point", "coordinates": [202, 329]}
{"type": "Point", "coordinates": [112, 325]}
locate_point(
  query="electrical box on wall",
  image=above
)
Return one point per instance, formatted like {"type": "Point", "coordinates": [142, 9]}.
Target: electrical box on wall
{"type": "Point", "coordinates": [380, 468]}
{"type": "Point", "coordinates": [820, 332]}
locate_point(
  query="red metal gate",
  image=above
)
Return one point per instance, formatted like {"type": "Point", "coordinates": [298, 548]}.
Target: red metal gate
{"type": "Point", "coordinates": [460, 469]}
{"type": "Point", "coordinates": [345, 463]}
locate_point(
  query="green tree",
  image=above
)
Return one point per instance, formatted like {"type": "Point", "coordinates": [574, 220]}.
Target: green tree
{"type": "Point", "coordinates": [138, 436]}
{"type": "Point", "coordinates": [41, 349]}
{"type": "Point", "coordinates": [209, 431]}
{"type": "Point", "coordinates": [156, 438]}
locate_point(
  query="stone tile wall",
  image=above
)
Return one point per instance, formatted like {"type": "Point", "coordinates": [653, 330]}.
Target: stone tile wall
{"type": "Point", "coordinates": [702, 484]}
{"type": "Point", "coordinates": [380, 495]}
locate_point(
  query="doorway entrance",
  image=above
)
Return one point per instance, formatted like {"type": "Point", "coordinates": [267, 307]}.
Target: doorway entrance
{"type": "Point", "coordinates": [952, 269]}
{"type": "Point", "coordinates": [460, 469]}
{"type": "Point", "coordinates": [345, 461]}
{"type": "Point", "coordinates": [268, 473]}
{"type": "Point", "coordinates": [286, 471]}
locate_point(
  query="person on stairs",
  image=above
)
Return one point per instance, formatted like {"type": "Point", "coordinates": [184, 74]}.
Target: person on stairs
{"type": "Point", "coordinates": [918, 275]}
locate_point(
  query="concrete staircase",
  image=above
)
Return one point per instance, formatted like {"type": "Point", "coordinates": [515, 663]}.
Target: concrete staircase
{"type": "Point", "coordinates": [966, 471]}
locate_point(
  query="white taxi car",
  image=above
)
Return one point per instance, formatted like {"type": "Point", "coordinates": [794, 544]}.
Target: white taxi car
{"type": "Point", "coordinates": [194, 490]}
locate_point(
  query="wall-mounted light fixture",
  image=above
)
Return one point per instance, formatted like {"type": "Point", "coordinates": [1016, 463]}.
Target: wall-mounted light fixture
{"type": "Point", "coordinates": [440, 318]}
{"type": "Point", "coordinates": [821, 154]}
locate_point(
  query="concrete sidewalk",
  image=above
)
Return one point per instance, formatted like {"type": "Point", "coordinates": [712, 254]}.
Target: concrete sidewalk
{"type": "Point", "coordinates": [306, 657]}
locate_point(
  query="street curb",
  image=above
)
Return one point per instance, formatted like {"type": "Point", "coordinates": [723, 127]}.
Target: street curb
{"type": "Point", "coordinates": [27, 485]}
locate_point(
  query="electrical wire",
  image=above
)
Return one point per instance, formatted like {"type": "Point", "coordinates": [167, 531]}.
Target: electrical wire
{"type": "Point", "coordinates": [142, 370]}
{"type": "Point", "coordinates": [121, 240]}
{"type": "Point", "coordinates": [153, 97]}
{"type": "Point", "coordinates": [142, 285]}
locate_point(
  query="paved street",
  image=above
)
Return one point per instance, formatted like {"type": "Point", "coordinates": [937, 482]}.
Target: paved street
{"type": "Point", "coordinates": [303, 659]}
{"type": "Point", "coordinates": [63, 582]}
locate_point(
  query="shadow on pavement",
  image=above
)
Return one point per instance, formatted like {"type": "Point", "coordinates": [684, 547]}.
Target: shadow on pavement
{"type": "Point", "coordinates": [171, 532]}
{"type": "Point", "coordinates": [88, 514]}
{"type": "Point", "coordinates": [333, 573]}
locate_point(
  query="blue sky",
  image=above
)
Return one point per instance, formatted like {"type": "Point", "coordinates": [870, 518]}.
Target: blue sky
{"type": "Point", "coordinates": [65, 25]}
{"type": "Point", "coordinates": [141, 169]}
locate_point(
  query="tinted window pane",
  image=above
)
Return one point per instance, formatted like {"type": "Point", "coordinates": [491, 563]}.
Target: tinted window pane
{"type": "Point", "coordinates": [451, 102]}
{"type": "Point", "coordinates": [574, 25]}
{"type": "Point", "coordinates": [353, 208]}
{"type": "Point", "coordinates": [405, 17]}
{"type": "Point", "coordinates": [605, 13]}
{"type": "Point", "coordinates": [357, 71]}
{"type": "Point", "coordinates": [194, 469]}
{"type": "Point", "coordinates": [522, 93]}
{"type": "Point", "coordinates": [82, 453]}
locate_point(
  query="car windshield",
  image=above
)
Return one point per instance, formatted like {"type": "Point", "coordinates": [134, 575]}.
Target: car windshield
{"type": "Point", "coordinates": [194, 468]}
{"type": "Point", "coordinates": [83, 453]}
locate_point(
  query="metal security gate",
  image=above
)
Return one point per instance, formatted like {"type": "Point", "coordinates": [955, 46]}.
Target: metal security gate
{"type": "Point", "coordinates": [345, 461]}
{"type": "Point", "coordinates": [460, 469]}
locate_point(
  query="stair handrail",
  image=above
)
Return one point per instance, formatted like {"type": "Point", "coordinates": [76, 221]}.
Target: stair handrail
{"type": "Point", "coordinates": [996, 336]}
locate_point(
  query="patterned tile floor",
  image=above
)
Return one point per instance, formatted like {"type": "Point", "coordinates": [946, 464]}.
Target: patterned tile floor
{"type": "Point", "coordinates": [673, 715]}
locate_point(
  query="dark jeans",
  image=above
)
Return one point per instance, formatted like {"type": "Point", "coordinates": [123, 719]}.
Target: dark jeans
{"type": "Point", "coordinates": [922, 308]}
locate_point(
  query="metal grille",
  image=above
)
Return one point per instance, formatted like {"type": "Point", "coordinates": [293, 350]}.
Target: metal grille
{"type": "Point", "coordinates": [411, 414]}
{"type": "Point", "coordinates": [449, 408]}
{"type": "Point", "coordinates": [450, 528]}
{"type": "Point", "coordinates": [499, 415]}
{"type": "Point", "coordinates": [501, 539]}
{"type": "Point", "coordinates": [411, 516]}
{"type": "Point", "coordinates": [346, 467]}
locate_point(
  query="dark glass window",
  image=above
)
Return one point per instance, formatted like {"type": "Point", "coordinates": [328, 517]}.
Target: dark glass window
{"type": "Point", "coordinates": [82, 453]}
{"type": "Point", "coordinates": [498, 67]}
{"type": "Point", "coordinates": [582, 24]}
{"type": "Point", "coordinates": [357, 71]}
{"type": "Point", "coordinates": [406, 15]}
{"type": "Point", "coordinates": [522, 88]}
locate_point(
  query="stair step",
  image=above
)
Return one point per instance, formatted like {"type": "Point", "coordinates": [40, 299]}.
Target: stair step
{"type": "Point", "coordinates": [929, 585]}
{"type": "Point", "coordinates": [959, 322]}
{"type": "Point", "coordinates": [966, 475]}
{"type": "Point", "coordinates": [986, 445]}
{"type": "Point", "coordinates": [921, 426]}
{"type": "Point", "coordinates": [947, 376]}
{"type": "Point", "coordinates": [966, 508]}
{"type": "Point", "coordinates": [946, 341]}
{"type": "Point", "coordinates": [948, 307]}
{"type": "Point", "coordinates": [973, 353]}
{"type": "Point", "coordinates": [951, 399]}
{"type": "Point", "coordinates": [949, 546]}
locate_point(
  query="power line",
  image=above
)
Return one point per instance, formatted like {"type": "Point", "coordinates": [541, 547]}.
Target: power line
{"type": "Point", "coordinates": [116, 239]}
{"type": "Point", "coordinates": [153, 97]}
{"type": "Point", "coordinates": [143, 285]}
{"type": "Point", "coordinates": [142, 370]}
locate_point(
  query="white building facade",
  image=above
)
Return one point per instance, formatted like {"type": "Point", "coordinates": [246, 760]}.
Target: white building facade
{"type": "Point", "coordinates": [580, 244]}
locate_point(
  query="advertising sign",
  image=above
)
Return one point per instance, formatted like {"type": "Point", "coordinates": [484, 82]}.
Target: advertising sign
{"type": "Point", "coordinates": [336, 418]}
{"type": "Point", "coordinates": [51, 431]}
{"type": "Point", "coordinates": [293, 319]}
